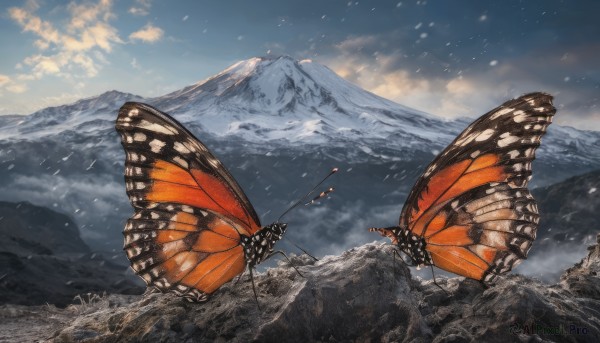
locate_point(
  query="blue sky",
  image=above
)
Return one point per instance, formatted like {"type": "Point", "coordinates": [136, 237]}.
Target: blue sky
{"type": "Point", "coordinates": [450, 58]}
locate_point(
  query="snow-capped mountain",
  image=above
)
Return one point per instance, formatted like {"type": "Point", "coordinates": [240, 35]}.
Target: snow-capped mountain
{"type": "Point", "coordinates": [296, 102]}
{"type": "Point", "coordinates": [277, 124]}
{"type": "Point", "coordinates": [259, 99]}
{"type": "Point", "coordinates": [299, 101]}
{"type": "Point", "coordinates": [91, 113]}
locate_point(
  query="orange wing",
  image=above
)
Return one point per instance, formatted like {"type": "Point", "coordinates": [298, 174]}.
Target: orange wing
{"type": "Point", "coordinates": [186, 250]}
{"type": "Point", "coordinates": [190, 212]}
{"type": "Point", "coordinates": [472, 205]}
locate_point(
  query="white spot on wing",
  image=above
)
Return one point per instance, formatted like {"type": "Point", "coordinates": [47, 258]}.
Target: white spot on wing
{"type": "Point", "coordinates": [213, 162]}
{"type": "Point", "coordinates": [139, 137]}
{"type": "Point", "coordinates": [181, 162]}
{"type": "Point", "coordinates": [164, 129]}
{"type": "Point", "coordinates": [484, 135]}
{"type": "Point", "coordinates": [520, 116]}
{"type": "Point", "coordinates": [507, 139]}
{"type": "Point", "coordinates": [513, 153]}
{"type": "Point", "coordinates": [182, 149]}
{"type": "Point", "coordinates": [156, 145]}
{"type": "Point", "coordinates": [466, 140]}
{"type": "Point", "coordinates": [501, 112]}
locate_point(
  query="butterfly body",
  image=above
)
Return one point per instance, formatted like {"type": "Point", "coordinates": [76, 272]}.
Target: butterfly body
{"type": "Point", "coordinates": [470, 212]}
{"type": "Point", "coordinates": [193, 229]}
{"type": "Point", "coordinates": [259, 246]}
{"type": "Point", "coordinates": [409, 243]}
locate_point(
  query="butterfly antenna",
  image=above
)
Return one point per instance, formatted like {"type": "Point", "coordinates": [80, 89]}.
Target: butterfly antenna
{"type": "Point", "coordinates": [321, 195]}
{"type": "Point", "coordinates": [333, 171]}
{"type": "Point", "coordinates": [304, 251]}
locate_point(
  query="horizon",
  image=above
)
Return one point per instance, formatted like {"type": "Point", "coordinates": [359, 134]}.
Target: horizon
{"type": "Point", "coordinates": [413, 53]}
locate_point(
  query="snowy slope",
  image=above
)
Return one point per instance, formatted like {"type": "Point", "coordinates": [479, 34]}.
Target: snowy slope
{"type": "Point", "coordinates": [90, 114]}
{"type": "Point", "coordinates": [290, 103]}
{"type": "Point", "coordinates": [281, 98]}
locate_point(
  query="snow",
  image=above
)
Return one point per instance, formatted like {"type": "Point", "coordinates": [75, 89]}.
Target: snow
{"type": "Point", "coordinates": [281, 100]}
{"type": "Point", "coordinates": [264, 99]}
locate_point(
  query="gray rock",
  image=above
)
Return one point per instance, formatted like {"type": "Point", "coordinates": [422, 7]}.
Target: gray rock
{"type": "Point", "coordinates": [359, 296]}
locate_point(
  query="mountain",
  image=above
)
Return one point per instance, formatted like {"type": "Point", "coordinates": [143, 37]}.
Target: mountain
{"type": "Point", "coordinates": [570, 209]}
{"type": "Point", "coordinates": [569, 222]}
{"type": "Point", "coordinates": [44, 260]}
{"type": "Point", "coordinates": [299, 101]}
{"type": "Point", "coordinates": [27, 229]}
{"type": "Point", "coordinates": [278, 124]}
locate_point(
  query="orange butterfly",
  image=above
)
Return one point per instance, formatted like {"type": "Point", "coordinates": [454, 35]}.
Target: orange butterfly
{"type": "Point", "coordinates": [471, 213]}
{"type": "Point", "coordinates": [193, 229]}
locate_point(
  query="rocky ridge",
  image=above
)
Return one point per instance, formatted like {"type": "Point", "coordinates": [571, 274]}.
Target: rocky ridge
{"type": "Point", "coordinates": [360, 296]}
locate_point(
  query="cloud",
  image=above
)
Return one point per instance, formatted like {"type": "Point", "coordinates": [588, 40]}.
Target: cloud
{"type": "Point", "coordinates": [4, 80]}
{"type": "Point", "coordinates": [148, 34]}
{"type": "Point", "coordinates": [444, 96]}
{"type": "Point", "coordinates": [17, 88]}
{"type": "Point", "coordinates": [141, 8]}
{"type": "Point", "coordinates": [77, 47]}
{"type": "Point", "coordinates": [74, 48]}
{"type": "Point", "coordinates": [10, 85]}
{"type": "Point", "coordinates": [435, 84]}
{"type": "Point", "coordinates": [85, 13]}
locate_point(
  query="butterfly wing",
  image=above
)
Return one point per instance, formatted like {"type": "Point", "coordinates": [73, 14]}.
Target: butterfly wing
{"type": "Point", "coordinates": [472, 205]}
{"type": "Point", "coordinates": [190, 213]}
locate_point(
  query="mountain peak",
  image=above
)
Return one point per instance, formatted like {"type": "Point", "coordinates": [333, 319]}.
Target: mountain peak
{"type": "Point", "coordinates": [296, 98]}
{"type": "Point", "coordinates": [277, 84]}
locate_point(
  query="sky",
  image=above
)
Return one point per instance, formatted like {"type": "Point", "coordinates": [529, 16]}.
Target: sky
{"type": "Point", "coordinates": [449, 58]}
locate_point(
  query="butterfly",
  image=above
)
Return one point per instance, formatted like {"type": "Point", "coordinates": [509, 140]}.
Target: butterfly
{"type": "Point", "coordinates": [193, 229]}
{"type": "Point", "coordinates": [471, 213]}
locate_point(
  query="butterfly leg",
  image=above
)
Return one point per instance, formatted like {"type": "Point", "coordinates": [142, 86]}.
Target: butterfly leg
{"type": "Point", "coordinates": [239, 278]}
{"type": "Point", "coordinates": [254, 289]}
{"type": "Point", "coordinates": [304, 251]}
{"type": "Point", "coordinates": [435, 282]}
{"type": "Point", "coordinates": [394, 254]}
{"type": "Point", "coordinates": [290, 262]}
{"type": "Point", "coordinates": [401, 259]}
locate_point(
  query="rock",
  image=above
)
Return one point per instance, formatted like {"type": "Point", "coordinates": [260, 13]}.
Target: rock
{"type": "Point", "coordinates": [583, 280]}
{"type": "Point", "coordinates": [358, 296]}
{"type": "Point", "coordinates": [43, 279]}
